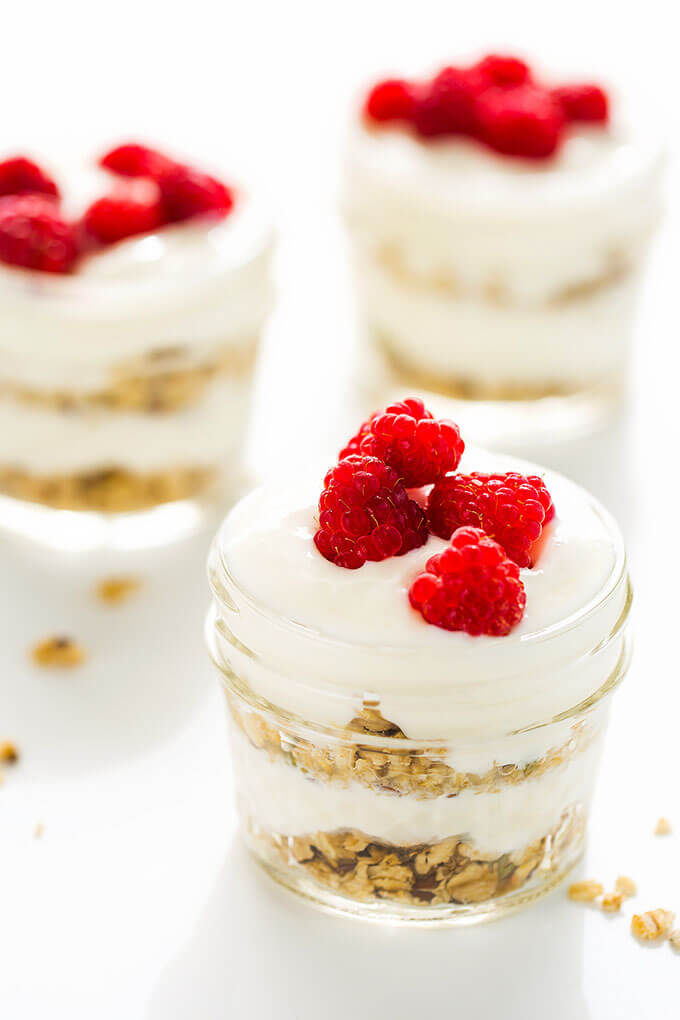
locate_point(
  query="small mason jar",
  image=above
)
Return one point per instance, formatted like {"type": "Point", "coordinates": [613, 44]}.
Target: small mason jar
{"type": "Point", "coordinates": [125, 384]}
{"type": "Point", "coordinates": [406, 783]}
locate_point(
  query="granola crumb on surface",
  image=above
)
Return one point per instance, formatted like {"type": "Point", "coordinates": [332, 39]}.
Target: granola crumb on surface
{"type": "Point", "coordinates": [674, 939]}
{"type": "Point", "coordinates": [663, 827]}
{"type": "Point", "coordinates": [8, 752]}
{"type": "Point", "coordinates": [58, 651]}
{"type": "Point", "coordinates": [611, 902]}
{"type": "Point", "coordinates": [625, 886]}
{"type": "Point", "coordinates": [585, 891]}
{"type": "Point", "coordinates": [115, 590]}
{"type": "Point", "coordinates": [652, 925]}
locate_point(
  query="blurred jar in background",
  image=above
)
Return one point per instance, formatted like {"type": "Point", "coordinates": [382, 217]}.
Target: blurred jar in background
{"type": "Point", "coordinates": [132, 298]}
{"type": "Point", "coordinates": [498, 228]}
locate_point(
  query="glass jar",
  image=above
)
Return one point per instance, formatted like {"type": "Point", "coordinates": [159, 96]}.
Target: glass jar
{"type": "Point", "coordinates": [126, 385]}
{"type": "Point", "coordinates": [446, 791]}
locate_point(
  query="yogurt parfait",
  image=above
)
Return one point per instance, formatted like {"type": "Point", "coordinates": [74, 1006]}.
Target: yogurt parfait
{"type": "Point", "coordinates": [418, 656]}
{"type": "Point", "coordinates": [133, 292]}
{"type": "Point", "coordinates": [499, 220]}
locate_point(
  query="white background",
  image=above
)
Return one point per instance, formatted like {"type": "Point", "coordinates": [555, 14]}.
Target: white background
{"type": "Point", "coordinates": [138, 901]}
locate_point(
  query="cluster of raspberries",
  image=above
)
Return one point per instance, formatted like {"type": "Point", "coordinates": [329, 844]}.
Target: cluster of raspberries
{"type": "Point", "coordinates": [498, 101]}
{"type": "Point", "coordinates": [150, 191]}
{"type": "Point", "coordinates": [494, 521]}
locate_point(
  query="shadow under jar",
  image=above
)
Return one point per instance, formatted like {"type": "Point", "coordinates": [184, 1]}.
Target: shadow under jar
{"type": "Point", "coordinates": [125, 386]}
{"type": "Point", "coordinates": [429, 785]}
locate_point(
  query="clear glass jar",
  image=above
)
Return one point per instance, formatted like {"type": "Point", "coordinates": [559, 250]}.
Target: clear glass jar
{"type": "Point", "coordinates": [433, 798]}
{"type": "Point", "coordinates": [125, 386]}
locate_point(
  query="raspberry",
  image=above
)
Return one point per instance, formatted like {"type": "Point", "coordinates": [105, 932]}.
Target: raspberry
{"type": "Point", "coordinates": [409, 439]}
{"type": "Point", "coordinates": [133, 160]}
{"type": "Point", "coordinates": [587, 103]}
{"type": "Point", "coordinates": [470, 586]}
{"type": "Point", "coordinates": [33, 235]}
{"type": "Point", "coordinates": [115, 217]}
{"type": "Point", "coordinates": [503, 70]}
{"type": "Point", "coordinates": [390, 100]}
{"type": "Point", "coordinates": [524, 121]}
{"type": "Point", "coordinates": [186, 193]}
{"type": "Point", "coordinates": [366, 514]}
{"type": "Point", "coordinates": [447, 105]}
{"type": "Point", "coordinates": [19, 176]}
{"type": "Point", "coordinates": [510, 508]}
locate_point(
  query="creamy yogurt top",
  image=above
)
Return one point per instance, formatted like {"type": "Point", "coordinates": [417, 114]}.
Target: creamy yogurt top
{"type": "Point", "coordinates": [196, 284]}
{"type": "Point", "coordinates": [355, 629]}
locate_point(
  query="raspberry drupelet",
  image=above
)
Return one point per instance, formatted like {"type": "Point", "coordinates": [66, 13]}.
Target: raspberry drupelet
{"type": "Point", "coordinates": [21, 176]}
{"type": "Point", "coordinates": [365, 514]}
{"type": "Point", "coordinates": [116, 217]}
{"type": "Point", "coordinates": [511, 508]}
{"type": "Point", "coordinates": [420, 448]}
{"type": "Point", "coordinates": [471, 586]}
{"type": "Point", "coordinates": [34, 236]}
{"type": "Point", "coordinates": [134, 160]}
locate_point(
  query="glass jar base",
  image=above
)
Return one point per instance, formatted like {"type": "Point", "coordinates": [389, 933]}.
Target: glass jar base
{"type": "Point", "coordinates": [392, 911]}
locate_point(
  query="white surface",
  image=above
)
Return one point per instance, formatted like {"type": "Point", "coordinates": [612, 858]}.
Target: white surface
{"type": "Point", "coordinates": [138, 901]}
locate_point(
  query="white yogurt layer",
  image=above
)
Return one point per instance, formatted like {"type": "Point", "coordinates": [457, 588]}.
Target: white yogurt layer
{"type": "Point", "coordinates": [43, 441]}
{"type": "Point", "coordinates": [195, 285]}
{"type": "Point", "coordinates": [459, 339]}
{"type": "Point", "coordinates": [281, 799]}
{"type": "Point", "coordinates": [323, 637]}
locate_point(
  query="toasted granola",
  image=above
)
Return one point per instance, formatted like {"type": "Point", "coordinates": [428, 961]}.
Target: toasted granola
{"type": "Point", "coordinates": [652, 925]}
{"type": "Point", "coordinates": [448, 871]}
{"type": "Point", "coordinates": [58, 651]}
{"type": "Point", "coordinates": [9, 753]}
{"type": "Point", "coordinates": [114, 590]}
{"type": "Point", "coordinates": [585, 891]}
{"type": "Point", "coordinates": [663, 827]}
{"type": "Point", "coordinates": [674, 939]}
{"type": "Point", "coordinates": [393, 770]}
{"type": "Point", "coordinates": [611, 902]}
{"type": "Point", "coordinates": [625, 886]}
{"type": "Point", "coordinates": [161, 382]}
{"type": "Point", "coordinates": [113, 490]}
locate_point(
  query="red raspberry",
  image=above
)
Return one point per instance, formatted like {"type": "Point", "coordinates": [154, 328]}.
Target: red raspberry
{"type": "Point", "coordinates": [503, 70]}
{"type": "Point", "coordinates": [390, 100]}
{"type": "Point", "coordinates": [19, 176]}
{"type": "Point", "coordinates": [587, 103]}
{"type": "Point", "coordinates": [470, 586]}
{"type": "Point", "coordinates": [186, 193]}
{"type": "Point", "coordinates": [410, 440]}
{"type": "Point", "coordinates": [115, 217]}
{"type": "Point", "coordinates": [33, 235]}
{"type": "Point", "coordinates": [447, 106]}
{"type": "Point", "coordinates": [510, 508]}
{"type": "Point", "coordinates": [133, 160]}
{"type": "Point", "coordinates": [366, 514]}
{"type": "Point", "coordinates": [524, 121]}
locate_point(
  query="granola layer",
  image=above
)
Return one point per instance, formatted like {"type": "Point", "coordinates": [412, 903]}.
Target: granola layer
{"type": "Point", "coordinates": [462, 388]}
{"type": "Point", "coordinates": [162, 381]}
{"type": "Point", "coordinates": [114, 490]}
{"type": "Point", "coordinates": [452, 870]}
{"type": "Point", "coordinates": [496, 292]}
{"type": "Point", "coordinates": [402, 771]}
